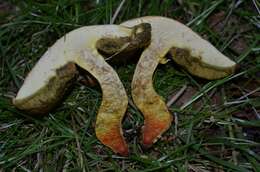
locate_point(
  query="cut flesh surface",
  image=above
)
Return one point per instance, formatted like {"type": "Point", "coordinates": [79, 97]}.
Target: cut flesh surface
{"type": "Point", "coordinates": [47, 82]}
{"type": "Point", "coordinates": [157, 116]}
{"type": "Point", "coordinates": [114, 101]}
{"type": "Point", "coordinates": [188, 49]}
{"type": "Point", "coordinates": [63, 52]}
{"type": "Point", "coordinates": [197, 55]}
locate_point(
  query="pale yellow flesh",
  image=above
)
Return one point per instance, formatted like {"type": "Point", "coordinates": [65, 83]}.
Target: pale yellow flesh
{"type": "Point", "coordinates": [157, 116]}
{"type": "Point", "coordinates": [168, 33]}
{"type": "Point", "coordinates": [114, 101]}
{"type": "Point", "coordinates": [78, 47]}
{"type": "Point", "coordinates": [63, 51]}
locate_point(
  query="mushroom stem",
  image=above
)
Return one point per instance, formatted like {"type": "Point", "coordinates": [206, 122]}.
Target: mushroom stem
{"type": "Point", "coordinates": [114, 101]}
{"type": "Point", "coordinates": [47, 82]}
{"type": "Point", "coordinates": [157, 117]}
{"type": "Point", "coordinates": [189, 50]}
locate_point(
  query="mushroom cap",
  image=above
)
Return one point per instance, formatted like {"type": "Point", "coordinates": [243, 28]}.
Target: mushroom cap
{"type": "Point", "coordinates": [49, 79]}
{"type": "Point", "coordinates": [63, 52]}
{"type": "Point", "coordinates": [187, 48]}
{"type": "Point", "coordinates": [66, 49]}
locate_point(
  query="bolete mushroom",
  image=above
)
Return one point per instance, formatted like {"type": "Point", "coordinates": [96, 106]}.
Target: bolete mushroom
{"type": "Point", "coordinates": [189, 50]}
{"type": "Point", "coordinates": [47, 82]}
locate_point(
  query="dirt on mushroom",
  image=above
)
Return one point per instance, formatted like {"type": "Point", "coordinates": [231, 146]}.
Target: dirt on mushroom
{"type": "Point", "coordinates": [47, 82]}
{"type": "Point", "coordinates": [164, 36]}
{"type": "Point", "coordinates": [189, 50]}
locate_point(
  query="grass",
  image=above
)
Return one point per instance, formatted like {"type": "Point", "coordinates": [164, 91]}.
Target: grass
{"type": "Point", "coordinates": [211, 137]}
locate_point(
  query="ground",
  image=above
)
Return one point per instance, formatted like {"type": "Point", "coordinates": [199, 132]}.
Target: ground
{"type": "Point", "coordinates": [216, 124]}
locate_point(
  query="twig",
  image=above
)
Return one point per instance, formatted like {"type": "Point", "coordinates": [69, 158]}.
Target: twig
{"type": "Point", "coordinates": [22, 167]}
{"type": "Point", "coordinates": [176, 96]}
{"type": "Point", "coordinates": [121, 49]}
{"type": "Point", "coordinates": [248, 94]}
{"type": "Point", "coordinates": [39, 162]}
{"type": "Point", "coordinates": [235, 102]}
{"type": "Point", "coordinates": [175, 124]}
{"type": "Point", "coordinates": [256, 6]}
{"type": "Point", "coordinates": [6, 126]}
{"type": "Point", "coordinates": [254, 109]}
{"type": "Point", "coordinates": [231, 135]}
{"type": "Point", "coordinates": [247, 99]}
{"type": "Point", "coordinates": [117, 11]}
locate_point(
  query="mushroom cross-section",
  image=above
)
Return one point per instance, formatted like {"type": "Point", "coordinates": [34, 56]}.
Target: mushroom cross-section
{"type": "Point", "coordinates": [47, 82]}
{"type": "Point", "coordinates": [189, 50]}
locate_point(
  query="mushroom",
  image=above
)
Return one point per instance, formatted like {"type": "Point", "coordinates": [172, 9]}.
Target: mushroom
{"type": "Point", "coordinates": [48, 81]}
{"type": "Point", "coordinates": [189, 50]}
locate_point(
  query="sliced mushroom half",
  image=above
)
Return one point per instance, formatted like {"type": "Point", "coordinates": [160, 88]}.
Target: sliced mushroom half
{"type": "Point", "coordinates": [47, 82]}
{"type": "Point", "coordinates": [189, 50]}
